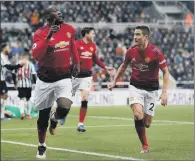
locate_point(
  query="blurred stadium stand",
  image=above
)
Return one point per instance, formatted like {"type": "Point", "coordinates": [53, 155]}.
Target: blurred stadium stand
{"type": "Point", "coordinates": [172, 31]}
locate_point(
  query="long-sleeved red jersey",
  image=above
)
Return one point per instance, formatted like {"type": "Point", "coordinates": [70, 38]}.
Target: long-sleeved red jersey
{"type": "Point", "coordinates": [54, 55]}
{"type": "Point", "coordinates": [87, 54]}
{"type": "Point", "coordinates": [145, 68]}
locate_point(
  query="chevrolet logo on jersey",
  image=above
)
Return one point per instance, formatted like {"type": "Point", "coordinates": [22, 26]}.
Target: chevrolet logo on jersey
{"type": "Point", "coordinates": [86, 55]}
{"type": "Point", "coordinates": [61, 44]}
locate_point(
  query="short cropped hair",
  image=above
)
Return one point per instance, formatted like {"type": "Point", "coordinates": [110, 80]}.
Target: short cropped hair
{"type": "Point", "coordinates": [86, 30]}
{"type": "Point", "coordinates": [145, 29]}
{"type": "Point", "coordinates": [47, 12]}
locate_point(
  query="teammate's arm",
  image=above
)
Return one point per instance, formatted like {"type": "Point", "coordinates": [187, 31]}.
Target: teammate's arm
{"type": "Point", "coordinates": [12, 67]}
{"type": "Point", "coordinates": [97, 61]}
{"type": "Point", "coordinates": [110, 70]}
{"type": "Point", "coordinates": [163, 96]}
{"type": "Point", "coordinates": [75, 56]}
{"type": "Point", "coordinates": [121, 70]}
{"type": "Point", "coordinates": [164, 69]}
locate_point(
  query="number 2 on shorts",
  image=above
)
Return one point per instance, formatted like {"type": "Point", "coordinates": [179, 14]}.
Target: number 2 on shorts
{"type": "Point", "coordinates": [151, 108]}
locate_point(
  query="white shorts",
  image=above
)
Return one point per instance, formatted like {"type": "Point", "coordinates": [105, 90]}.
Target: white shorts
{"type": "Point", "coordinates": [147, 99]}
{"type": "Point", "coordinates": [81, 84]}
{"type": "Point", "coordinates": [47, 93]}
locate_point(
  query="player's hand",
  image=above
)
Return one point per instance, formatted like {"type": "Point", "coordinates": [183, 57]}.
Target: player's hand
{"type": "Point", "coordinates": [111, 85]}
{"type": "Point", "coordinates": [111, 71]}
{"type": "Point", "coordinates": [76, 70]}
{"type": "Point", "coordinates": [78, 67]}
{"type": "Point", "coordinates": [53, 29]}
{"type": "Point", "coordinates": [163, 98]}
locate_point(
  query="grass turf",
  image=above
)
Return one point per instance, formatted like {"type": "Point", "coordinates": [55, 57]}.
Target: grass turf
{"type": "Point", "coordinates": [107, 135]}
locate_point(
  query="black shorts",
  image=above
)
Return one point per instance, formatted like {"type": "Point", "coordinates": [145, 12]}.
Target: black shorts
{"type": "Point", "coordinates": [24, 93]}
{"type": "Point", "coordinates": [3, 87]}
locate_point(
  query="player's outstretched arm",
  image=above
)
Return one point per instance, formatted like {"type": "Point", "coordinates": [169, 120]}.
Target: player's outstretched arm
{"type": "Point", "coordinates": [74, 52]}
{"type": "Point", "coordinates": [164, 69]}
{"type": "Point", "coordinates": [121, 70]}
{"type": "Point", "coordinates": [110, 70]}
{"type": "Point", "coordinates": [97, 61]}
{"type": "Point", "coordinates": [163, 96]}
{"type": "Point", "coordinates": [12, 67]}
{"type": "Point", "coordinates": [75, 57]}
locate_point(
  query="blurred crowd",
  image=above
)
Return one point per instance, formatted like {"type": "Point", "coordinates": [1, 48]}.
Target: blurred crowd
{"type": "Point", "coordinates": [77, 11]}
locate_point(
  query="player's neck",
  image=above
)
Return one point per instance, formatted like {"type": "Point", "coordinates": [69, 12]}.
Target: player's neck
{"type": "Point", "coordinates": [143, 47]}
{"type": "Point", "coordinates": [85, 40]}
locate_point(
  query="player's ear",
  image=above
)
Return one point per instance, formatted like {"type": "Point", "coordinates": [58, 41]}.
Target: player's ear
{"type": "Point", "coordinates": [147, 37]}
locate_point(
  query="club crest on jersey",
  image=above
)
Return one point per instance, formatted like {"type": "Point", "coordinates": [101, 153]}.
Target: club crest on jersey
{"type": "Point", "coordinates": [147, 59]}
{"type": "Point", "coordinates": [61, 44]}
{"type": "Point", "coordinates": [68, 34]}
{"type": "Point", "coordinates": [91, 48]}
{"type": "Point", "coordinates": [131, 98]}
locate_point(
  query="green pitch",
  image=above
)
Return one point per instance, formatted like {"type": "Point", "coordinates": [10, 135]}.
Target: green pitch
{"type": "Point", "coordinates": [110, 136]}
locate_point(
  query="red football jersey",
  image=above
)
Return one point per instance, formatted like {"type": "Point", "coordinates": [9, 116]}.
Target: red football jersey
{"type": "Point", "coordinates": [145, 68]}
{"type": "Point", "coordinates": [87, 54]}
{"type": "Point", "coordinates": [54, 55]}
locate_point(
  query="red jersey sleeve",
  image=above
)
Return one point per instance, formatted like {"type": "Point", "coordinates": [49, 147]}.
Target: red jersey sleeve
{"type": "Point", "coordinates": [40, 45]}
{"type": "Point", "coordinates": [73, 48]}
{"type": "Point", "coordinates": [127, 57]}
{"type": "Point", "coordinates": [161, 59]}
{"type": "Point", "coordinates": [97, 60]}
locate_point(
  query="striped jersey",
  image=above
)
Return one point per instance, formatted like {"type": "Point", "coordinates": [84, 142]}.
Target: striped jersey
{"type": "Point", "coordinates": [24, 75]}
{"type": "Point", "coordinates": [4, 61]}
